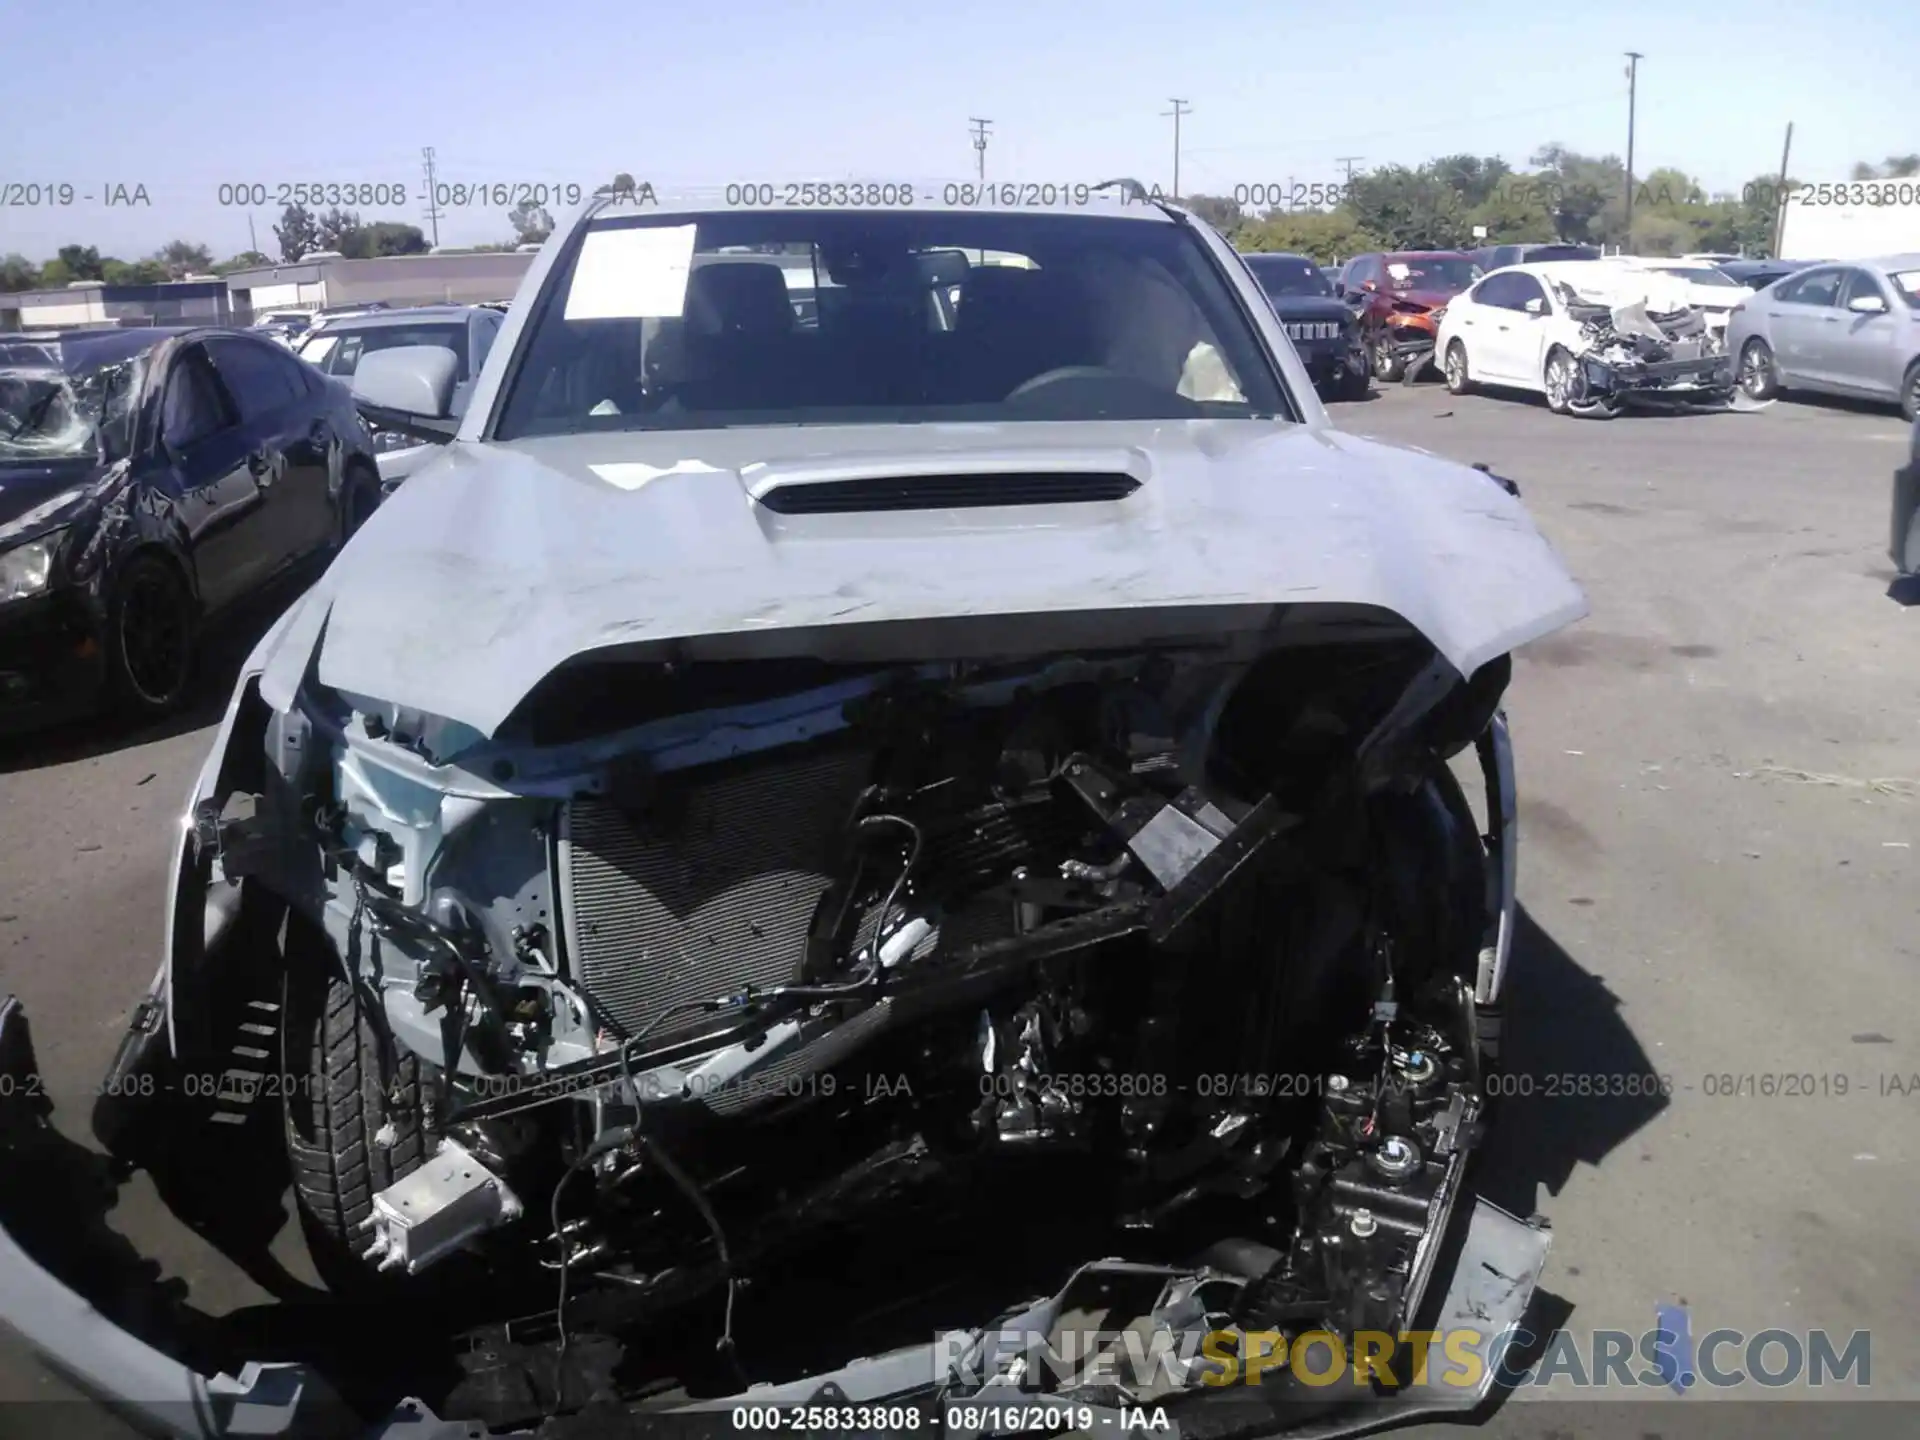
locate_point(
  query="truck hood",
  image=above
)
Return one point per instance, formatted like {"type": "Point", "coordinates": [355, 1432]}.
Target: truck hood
{"type": "Point", "coordinates": [498, 562]}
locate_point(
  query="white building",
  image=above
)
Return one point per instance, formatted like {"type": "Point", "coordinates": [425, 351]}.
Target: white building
{"type": "Point", "coordinates": [325, 279]}
{"type": "Point", "coordinates": [94, 302]}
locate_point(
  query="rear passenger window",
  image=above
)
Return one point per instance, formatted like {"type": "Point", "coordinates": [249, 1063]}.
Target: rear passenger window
{"type": "Point", "coordinates": [259, 383]}
{"type": "Point", "coordinates": [1816, 287]}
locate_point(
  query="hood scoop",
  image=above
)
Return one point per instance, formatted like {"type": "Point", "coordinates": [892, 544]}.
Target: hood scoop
{"type": "Point", "coordinates": [872, 484]}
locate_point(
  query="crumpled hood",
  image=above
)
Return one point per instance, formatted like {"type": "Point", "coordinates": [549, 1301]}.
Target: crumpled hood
{"type": "Point", "coordinates": [37, 497]}
{"type": "Point", "coordinates": [1430, 299]}
{"type": "Point", "coordinates": [498, 562]}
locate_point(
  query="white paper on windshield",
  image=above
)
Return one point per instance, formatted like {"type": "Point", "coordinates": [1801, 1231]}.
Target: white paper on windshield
{"type": "Point", "coordinates": [632, 274]}
{"type": "Point", "coordinates": [631, 474]}
{"type": "Point", "coordinates": [1399, 271]}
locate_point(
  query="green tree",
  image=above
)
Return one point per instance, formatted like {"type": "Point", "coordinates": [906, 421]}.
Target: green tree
{"type": "Point", "coordinates": [1894, 167]}
{"type": "Point", "coordinates": [1218, 211]}
{"type": "Point", "coordinates": [335, 229]}
{"type": "Point", "coordinates": [17, 273]}
{"type": "Point", "coordinates": [132, 272]}
{"type": "Point", "coordinates": [296, 233]}
{"type": "Point", "coordinates": [181, 258]}
{"type": "Point", "coordinates": [531, 223]}
{"type": "Point", "coordinates": [1408, 209]}
{"type": "Point", "coordinates": [1588, 194]}
{"type": "Point", "coordinates": [1324, 235]}
{"type": "Point", "coordinates": [55, 274]}
{"type": "Point", "coordinates": [1517, 212]}
{"type": "Point", "coordinates": [82, 262]}
{"type": "Point", "coordinates": [384, 237]}
{"type": "Point", "coordinates": [1477, 179]}
{"type": "Point", "coordinates": [245, 260]}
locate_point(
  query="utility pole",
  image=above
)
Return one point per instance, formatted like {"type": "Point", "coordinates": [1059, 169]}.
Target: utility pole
{"type": "Point", "coordinates": [1349, 161]}
{"type": "Point", "coordinates": [253, 240]}
{"type": "Point", "coordinates": [1780, 195]}
{"type": "Point", "coordinates": [980, 134]}
{"type": "Point", "coordinates": [1634, 58]}
{"type": "Point", "coordinates": [1180, 107]}
{"type": "Point", "coordinates": [433, 209]}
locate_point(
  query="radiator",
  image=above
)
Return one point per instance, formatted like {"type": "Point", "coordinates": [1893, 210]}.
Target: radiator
{"type": "Point", "coordinates": [720, 899]}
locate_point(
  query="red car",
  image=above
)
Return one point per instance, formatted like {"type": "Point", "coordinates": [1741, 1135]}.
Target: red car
{"type": "Point", "coordinates": [1398, 296]}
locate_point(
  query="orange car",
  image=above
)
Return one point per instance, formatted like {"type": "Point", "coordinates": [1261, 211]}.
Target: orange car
{"type": "Point", "coordinates": [1398, 296]}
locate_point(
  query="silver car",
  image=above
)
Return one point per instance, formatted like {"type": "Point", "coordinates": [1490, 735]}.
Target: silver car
{"type": "Point", "coordinates": [465, 330]}
{"type": "Point", "coordinates": [1841, 329]}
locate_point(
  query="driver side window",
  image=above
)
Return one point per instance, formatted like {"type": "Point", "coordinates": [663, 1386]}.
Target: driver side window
{"type": "Point", "coordinates": [193, 408]}
{"type": "Point", "coordinates": [1495, 290]}
{"type": "Point", "coordinates": [1524, 289]}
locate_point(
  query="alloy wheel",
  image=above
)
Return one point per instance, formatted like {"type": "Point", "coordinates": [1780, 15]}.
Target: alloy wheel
{"type": "Point", "coordinates": [155, 635]}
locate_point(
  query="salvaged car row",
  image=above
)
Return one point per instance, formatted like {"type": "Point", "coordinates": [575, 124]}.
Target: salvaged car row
{"type": "Point", "coordinates": [831, 685]}
{"type": "Point", "coordinates": [1595, 334]}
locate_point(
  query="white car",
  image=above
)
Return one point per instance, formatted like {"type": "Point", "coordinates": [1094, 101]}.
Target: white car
{"type": "Point", "coordinates": [1708, 287]}
{"type": "Point", "coordinates": [1582, 334]}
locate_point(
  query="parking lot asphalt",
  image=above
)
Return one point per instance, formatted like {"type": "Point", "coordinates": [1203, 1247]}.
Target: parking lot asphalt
{"type": "Point", "coordinates": [1720, 806]}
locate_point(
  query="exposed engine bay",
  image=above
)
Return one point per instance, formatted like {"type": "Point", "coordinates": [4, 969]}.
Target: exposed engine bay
{"type": "Point", "coordinates": [1630, 354]}
{"type": "Point", "coordinates": [689, 967]}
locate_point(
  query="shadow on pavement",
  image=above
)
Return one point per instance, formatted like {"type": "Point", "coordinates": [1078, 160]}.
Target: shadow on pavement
{"type": "Point", "coordinates": [1562, 1025]}
{"type": "Point", "coordinates": [1577, 1083]}
{"type": "Point", "coordinates": [224, 649]}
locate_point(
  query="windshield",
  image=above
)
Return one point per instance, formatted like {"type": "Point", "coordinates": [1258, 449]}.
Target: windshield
{"type": "Point", "coordinates": [1431, 272]}
{"type": "Point", "coordinates": [659, 323]}
{"type": "Point", "coordinates": [53, 414]}
{"type": "Point", "coordinates": [1907, 284]}
{"type": "Point", "coordinates": [1288, 276]}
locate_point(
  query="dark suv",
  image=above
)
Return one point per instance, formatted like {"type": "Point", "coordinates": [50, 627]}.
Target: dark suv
{"type": "Point", "coordinates": [1324, 331]}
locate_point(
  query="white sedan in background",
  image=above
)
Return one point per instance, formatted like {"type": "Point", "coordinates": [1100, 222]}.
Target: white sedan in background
{"type": "Point", "coordinates": [1580, 333]}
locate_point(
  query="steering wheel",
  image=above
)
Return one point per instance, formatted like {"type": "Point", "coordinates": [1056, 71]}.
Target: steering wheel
{"type": "Point", "coordinates": [1062, 373]}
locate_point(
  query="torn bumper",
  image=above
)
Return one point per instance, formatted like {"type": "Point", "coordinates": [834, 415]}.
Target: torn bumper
{"type": "Point", "coordinates": [951, 1382]}
{"type": "Point", "coordinates": [1709, 378]}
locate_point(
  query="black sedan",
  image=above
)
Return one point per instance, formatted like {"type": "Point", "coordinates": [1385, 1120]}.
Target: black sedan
{"type": "Point", "coordinates": [1322, 329]}
{"type": "Point", "coordinates": [150, 479]}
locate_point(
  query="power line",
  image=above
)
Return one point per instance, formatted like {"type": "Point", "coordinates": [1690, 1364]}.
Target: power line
{"type": "Point", "coordinates": [433, 208]}
{"type": "Point", "coordinates": [1349, 161]}
{"type": "Point", "coordinates": [980, 134]}
{"type": "Point", "coordinates": [1180, 107]}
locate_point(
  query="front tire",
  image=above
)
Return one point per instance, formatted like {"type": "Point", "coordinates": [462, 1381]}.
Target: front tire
{"type": "Point", "coordinates": [1459, 382]}
{"type": "Point", "coordinates": [150, 639]}
{"type": "Point", "coordinates": [1910, 392]}
{"type": "Point", "coordinates": [1387, 366]}
{"type": "Point", "coordinates": [337, 1109]}
{"type": "Point", "coordinates": [1758, 379]}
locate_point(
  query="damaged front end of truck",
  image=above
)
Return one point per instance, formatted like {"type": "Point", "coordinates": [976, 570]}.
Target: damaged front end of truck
{"type": "Point", "coordinates": [690, 970]}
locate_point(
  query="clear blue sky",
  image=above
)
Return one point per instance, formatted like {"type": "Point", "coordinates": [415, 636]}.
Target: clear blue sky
{"type": "Point", "coordinates": [182, 96]}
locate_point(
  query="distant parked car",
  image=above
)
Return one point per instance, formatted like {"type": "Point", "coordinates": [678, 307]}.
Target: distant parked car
{"type": "Point", "coordinates": [1323, 330]}
{"type": "Point", "coordinates": [1398, 298]}
{"type": "Point", "coordinates": [150, 478]}
{"type": "Point", "coordinates": [1846, 329]}
{"type": "Point", "coordinates": [1758, 274]}
{"type": "Point", "coordinates": [467, 330]}
{"type": "Point", "coordinates": [1498, 257]}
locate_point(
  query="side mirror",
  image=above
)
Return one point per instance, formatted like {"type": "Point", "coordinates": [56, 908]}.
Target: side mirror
{"type": "Point", "coordinates": [1368, 286]}
{"type": "Point", "coordinates": [1536, 307]}
{"type": "Point", "coordinates": [1867, 305]}
{"type": "Point", "coordinates": [409, 388]}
